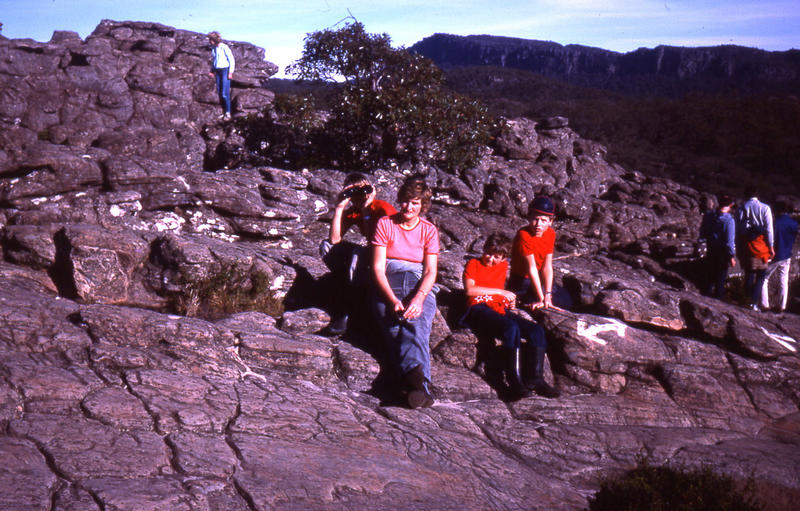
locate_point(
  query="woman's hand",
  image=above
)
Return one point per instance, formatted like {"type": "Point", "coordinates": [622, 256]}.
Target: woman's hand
{"type": "Point", "coordinates": [414, 308]}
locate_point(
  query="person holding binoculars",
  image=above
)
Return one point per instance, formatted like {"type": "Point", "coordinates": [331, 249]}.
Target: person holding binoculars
{"type": "Point", "coordinates": [356, 206]}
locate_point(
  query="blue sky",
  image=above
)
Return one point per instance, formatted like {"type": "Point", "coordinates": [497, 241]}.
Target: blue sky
{"type": "Point", "coordinates": [279, 26]}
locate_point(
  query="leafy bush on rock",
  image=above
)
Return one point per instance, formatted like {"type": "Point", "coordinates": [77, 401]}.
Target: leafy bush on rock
{"type": "Point", "coordinates": [391, 107]}
{"type": "Point", "coordinates": [285, 133]}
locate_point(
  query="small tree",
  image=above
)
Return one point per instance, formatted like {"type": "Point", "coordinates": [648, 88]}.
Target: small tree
{"type": "Point", "coordinates": [393, 104]}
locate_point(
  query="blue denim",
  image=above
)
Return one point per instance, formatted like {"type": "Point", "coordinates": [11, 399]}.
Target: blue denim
{"type": "Point", "coordinates": [223, 88]}
{"type": "Point", "coordinates": [508, 327]}
{"type": "Point", "coordinates": [408, 339]}
{"type": "Point", "coordinates": [754, 283]}
{"type": "Point", "coordinates": [349, 261]}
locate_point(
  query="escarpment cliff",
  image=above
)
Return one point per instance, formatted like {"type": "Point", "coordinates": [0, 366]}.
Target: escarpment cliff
{"type": "Point", "coordinates": [661, 71]}
{"type": "Point", "coordinates": [160, 301]}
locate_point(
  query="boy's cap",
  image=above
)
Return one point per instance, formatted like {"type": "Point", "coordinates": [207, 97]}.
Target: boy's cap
{"type": "Point", "coordinates": [542, 206]}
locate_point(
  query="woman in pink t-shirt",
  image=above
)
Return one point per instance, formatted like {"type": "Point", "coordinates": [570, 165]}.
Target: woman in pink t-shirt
{"type": "Point", "coordinates": [404, 264]}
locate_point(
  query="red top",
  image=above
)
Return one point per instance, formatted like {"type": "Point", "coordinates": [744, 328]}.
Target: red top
{"type": "Point", "coordinates": [526, 244]}
{"type": "Point", "coordinates": [366, 222]}
{"type": "Point", "coordinates": [488, 276]}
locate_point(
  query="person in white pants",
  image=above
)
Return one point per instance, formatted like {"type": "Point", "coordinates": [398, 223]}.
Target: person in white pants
{"type": "Point", "coordinates": [785, 234]}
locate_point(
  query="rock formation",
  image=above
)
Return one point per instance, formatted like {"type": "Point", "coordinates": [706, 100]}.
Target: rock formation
{"type": "Point", "coordinates": [662, 71]}
{"type": "Point", "coordinates": [122, 388]}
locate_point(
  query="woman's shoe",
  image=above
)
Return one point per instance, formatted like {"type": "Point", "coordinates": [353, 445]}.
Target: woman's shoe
{"type": "Point", "coordinates": [419, 396]}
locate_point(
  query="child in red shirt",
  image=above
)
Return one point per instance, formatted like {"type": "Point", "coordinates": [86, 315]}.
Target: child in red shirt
{"type": "Point", "coordinates": [349, 262]}
{"type": "Point", "coordinates": [532, 259]}
{"type": "Point", "coordinates": [489, 314]}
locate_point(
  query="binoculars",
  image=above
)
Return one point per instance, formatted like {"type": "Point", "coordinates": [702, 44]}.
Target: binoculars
{"type": "Point", "coordinates": [357, 191]}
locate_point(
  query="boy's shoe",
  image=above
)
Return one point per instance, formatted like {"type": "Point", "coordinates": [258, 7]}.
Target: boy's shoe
{"type": "Point", "coordinates": [543, 389]}
{"type": "Point", "coordinates": [226, 116]}
{"type": "Point", "coordinates": [336, 327]}
{"type": "Point", "coordinates": [535, 380]}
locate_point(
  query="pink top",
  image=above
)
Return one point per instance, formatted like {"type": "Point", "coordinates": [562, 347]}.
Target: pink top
{"type": "Point", "coordinates": [408, 245]}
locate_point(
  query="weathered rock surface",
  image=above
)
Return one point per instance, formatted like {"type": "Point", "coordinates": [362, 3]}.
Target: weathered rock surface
{"type": "Point", "coordinates": [117, 392]}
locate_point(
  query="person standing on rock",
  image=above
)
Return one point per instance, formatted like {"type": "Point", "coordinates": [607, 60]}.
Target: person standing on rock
{"type": "Point", "coordinates": [222, 67]}
{"type": "Point", "coordinates": [718, 229]}
{"type": "Point", "coordinates": [785, 234]}
{"type": "Point", "coordinates": [489, 313]}
{"type": "Point", "coordinates": [532, 260]}
{"type": "Point", "coordinates": [358, 206]}
{"type": "Point", "coordinates": [405, 258]}
{"type": "Point", "coordinates": [756, 244]}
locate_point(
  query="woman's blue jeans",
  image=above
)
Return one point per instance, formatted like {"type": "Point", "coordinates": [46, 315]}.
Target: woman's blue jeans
{"type": "Point", "coordinates": [223, 88]}
{"type": "Point", "coordinates": [408, 340]}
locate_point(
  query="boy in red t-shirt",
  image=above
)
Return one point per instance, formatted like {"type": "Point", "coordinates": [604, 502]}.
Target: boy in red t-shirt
{"type": "Point", "coordinates": [356, 206]}
{"type": "Point", "coordinates": [489, 313]}
{"type": "Point", "coordinates": [532, 259]}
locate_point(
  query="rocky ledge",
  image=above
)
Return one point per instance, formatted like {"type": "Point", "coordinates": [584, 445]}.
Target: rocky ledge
{"type": "Point", "coordinates": [120, 388]}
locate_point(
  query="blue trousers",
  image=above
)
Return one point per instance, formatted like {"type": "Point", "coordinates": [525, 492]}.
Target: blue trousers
{"type": "Point", "coordinates": [508, 327]}
{"type": "Point", "coordinates": [223, 88]}
{"type": "Point", "coordinates": [754, 283]}
{"type": "Point", "coordinates": [348, 260]}
{"type": "Point", "coordinates": [717, 262]}
{"type": "Point", "coordinates": [408, 340]}
{"type": "Point", "coordinates": [524, 290]}
{"type": "Point", "coordinates": [350, 270]}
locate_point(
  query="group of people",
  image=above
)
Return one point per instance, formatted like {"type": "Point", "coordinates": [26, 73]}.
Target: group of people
{"type": "Point", "coordinates": [762, 245]}
{"type": "Point", "coordinates": [398, 267]}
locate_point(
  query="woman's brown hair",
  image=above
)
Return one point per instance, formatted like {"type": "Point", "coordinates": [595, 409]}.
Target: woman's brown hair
{"type": "Point", "coordinates": [415, 187]}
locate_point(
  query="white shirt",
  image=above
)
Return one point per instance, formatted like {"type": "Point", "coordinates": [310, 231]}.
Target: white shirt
{"type": "Point", "coordinates": [222, 57]}
{"type": "Point", "coordinates": [755, 215]}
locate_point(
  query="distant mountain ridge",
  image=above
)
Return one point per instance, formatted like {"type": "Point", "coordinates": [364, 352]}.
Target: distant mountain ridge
{"type": "Point", "coordinates": [661, 71]}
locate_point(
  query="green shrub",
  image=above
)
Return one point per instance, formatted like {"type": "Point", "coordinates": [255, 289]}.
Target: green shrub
{"type": "Point", "coordinates": [665, 488]}
{"type": "Point", "coordinates": [284, 133]}
{"type": "Point", "coordinates": [391, 106]}
{"type": "Point", "coordinates": [227, 289]}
